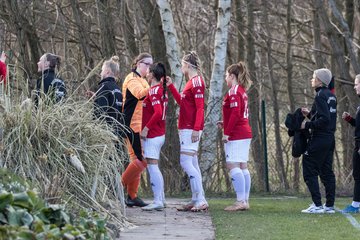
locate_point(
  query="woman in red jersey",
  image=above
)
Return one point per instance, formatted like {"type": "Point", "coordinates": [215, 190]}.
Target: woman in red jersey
{"type": "Point", "coordinates": [153, 131]}
{"type": "Point", "coordinates": [191, 124]}
{"type": "Point", "coordinates": [237, 133]}
{"type": "Point", "coordinates": [3, 68]}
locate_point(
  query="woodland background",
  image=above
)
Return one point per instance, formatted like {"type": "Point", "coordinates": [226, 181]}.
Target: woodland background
{"type": "Point", "coordinates": [281, 41]}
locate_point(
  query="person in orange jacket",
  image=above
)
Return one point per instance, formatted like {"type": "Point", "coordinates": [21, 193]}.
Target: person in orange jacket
{"type": "Point", "coordinates": [134, 90]}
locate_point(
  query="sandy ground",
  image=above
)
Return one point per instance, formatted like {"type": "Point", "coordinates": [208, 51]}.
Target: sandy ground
{"type": "Point", "coordinates": [168, 224]}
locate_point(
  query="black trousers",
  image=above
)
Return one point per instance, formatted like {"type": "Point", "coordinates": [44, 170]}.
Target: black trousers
{"type": "Point", "coordinates": [318, 162]}
{"type": "Point", "coordinates": [356, 172]}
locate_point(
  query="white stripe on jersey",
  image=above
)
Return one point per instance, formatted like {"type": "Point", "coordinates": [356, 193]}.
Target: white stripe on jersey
{"type": "Point", "coordinates": [196, 82]}
{"type": "Point", "coordinates": [233, 90]}
{"type": "Point", "coordinates": [154, 90]}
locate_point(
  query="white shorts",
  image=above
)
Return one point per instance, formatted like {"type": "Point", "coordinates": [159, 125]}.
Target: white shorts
{"type": "Point", "coordinates": [237, 150]}
{"type": "Point", "coordinates": [152, 147]}
{"type": "Point", "coordinates": [186, 144]}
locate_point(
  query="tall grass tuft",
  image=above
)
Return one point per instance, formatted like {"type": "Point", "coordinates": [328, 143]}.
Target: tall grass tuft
{"type": "Point", "coordinates": [69, 156]}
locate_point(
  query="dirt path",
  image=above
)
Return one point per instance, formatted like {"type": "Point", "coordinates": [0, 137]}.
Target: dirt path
{"type": "Point", "coordinates": [168, 224]}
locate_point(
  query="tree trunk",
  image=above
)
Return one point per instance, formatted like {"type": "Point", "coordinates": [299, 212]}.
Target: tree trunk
{"type": "Point", "coordinates": [172, 48]}
{"type": "Point", "coordinates": [289, 73]}
{"type": "Point", "coordinates": [106, 28]}
{"type": "Point", "coordinates": [213, 111]}
{"type": "Point", "coordinates": [83, 36]}
{"type": "Point", "coordinates": [240, 19]}
{"type": "Point", "coordinates": [279, 160]}
{"type": "Point", "coordinates": [254, 101]}
{"type": "Point", "coordinates": [343, 70]}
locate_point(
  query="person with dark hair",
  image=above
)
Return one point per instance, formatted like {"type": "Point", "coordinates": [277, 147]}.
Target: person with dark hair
{"type": "Point", "coordinates": [318, 157]}
{"type": "Point", "coordinates": [153, 131]}
{"type": "Point", "coordinates": [134, 90]}
{"type": "Point", "coordinates": [191, 124]}
{"type": "Point", "coordinates": [355, 122]}
{"type": "Point", "coordinates": [3, 68]}
{"type": "Point", "coordinates": [49, 83]}
{"type": "Point", "coordinates": [237, 133]}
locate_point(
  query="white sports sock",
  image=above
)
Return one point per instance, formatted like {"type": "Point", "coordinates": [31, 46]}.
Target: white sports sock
{"type": "Point", "coordinates": [195, 162]}
{"type": "Point", "coordinates": [247, 178]}
{"type": "Point", "coordinates": [157, 182]}
{"type": "Point", "coordinates": [238, 182]}
{"type": "Point", "coordinates": [355, 204]}
{"type": "Point", "coordinates": [194, 176]}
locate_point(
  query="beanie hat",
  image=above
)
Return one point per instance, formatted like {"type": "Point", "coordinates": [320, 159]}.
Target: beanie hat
{"type": "Point", "coordinates": [324, 75]}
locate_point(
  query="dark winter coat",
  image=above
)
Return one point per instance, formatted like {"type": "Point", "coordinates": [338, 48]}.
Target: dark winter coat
{"type": "Point", "coordinates": [300, 136]}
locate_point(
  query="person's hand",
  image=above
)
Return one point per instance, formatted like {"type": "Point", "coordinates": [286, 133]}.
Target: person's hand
{"type": "Point", "coordinates": [220, 124]}
{"type": "Point", "coordinates": [89, 94]}
{"type": "Point", "coordinates": [346, 116]}
{"type": "Point", "coordinates": [168, 81]}
{"type": "Point", "coordinates": [358, 151]}
{"type": "Point", "coordinates": [225, 138]}
{"type": "Point", "coordinates": [303, 123]}
{"type": "Point", "coordinates": [305, 112]}
{"type": "Point", "coordinates": [195, 136]}
{"type": "Point", "coordinates": [144, 133]}
{"type": "Point", "coordinates": [3, 57]}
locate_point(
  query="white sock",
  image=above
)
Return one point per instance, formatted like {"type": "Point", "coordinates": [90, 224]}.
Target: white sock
{"type": "Point", "coordinates": [355, 204]}
{"type": "Point", "coordinates": [194, 176]}
{"type": "Point", "coordinates": [247, 178]}
{"type": "Point", "coordinates": [157, 182]}
{"type": "Point", "coordinates": [195, 162]}
{"type": "Point", "coordinates": [238, 182]}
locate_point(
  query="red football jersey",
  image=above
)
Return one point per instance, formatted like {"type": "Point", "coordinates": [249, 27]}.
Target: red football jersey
{"type": "Point", "coordinates": [2, 72]}
{"type": "Point", "coordinates": [236, 113]}
{"type": "Point", "coordinates": [191, 102]}
{"type": "Point", "coordinates": [154, 112]}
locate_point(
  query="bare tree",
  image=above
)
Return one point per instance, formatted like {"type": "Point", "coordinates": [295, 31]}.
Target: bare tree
{"type": "Point", "coordinates": [209, 139]}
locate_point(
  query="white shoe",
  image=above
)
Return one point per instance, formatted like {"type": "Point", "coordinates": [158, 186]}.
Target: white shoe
{"type": "Point", "coordinates": [313, 209]}
{"type": "Point", "coordinates": [328, 209]}
{"type": "Point", "coordinates": [153, 206]}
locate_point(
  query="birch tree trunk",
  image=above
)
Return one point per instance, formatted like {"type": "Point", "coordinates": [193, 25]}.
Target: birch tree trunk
{"type": "Point", "coordinates": [213, 111]}
{"type": "Point", "coordinates": [172, 47]}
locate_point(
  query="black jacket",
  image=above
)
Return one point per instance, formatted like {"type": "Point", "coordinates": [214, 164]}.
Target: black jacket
{"type": "Point", "coordinates": [300, 136]}
{"type": "Point", "coordinates": [108, 102]}
{"type": "Point", "coordinates": [323, 113]}
{"type": "Point", "coordinates": [355, 122]}
{"type": "Point", "coordinates": [51, 85]}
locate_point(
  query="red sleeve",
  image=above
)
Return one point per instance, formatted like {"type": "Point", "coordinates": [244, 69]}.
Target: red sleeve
{"type": "Point", "coordinates": [235, 106]}
{"type": "Point", "coordinates": [157, 115]}
{"type": "Point", "coordinates": [199, 102]}
{"type": "Point", "coordinates": [2, 72]}
{"type": "Point", "coordinates": [175, 93]}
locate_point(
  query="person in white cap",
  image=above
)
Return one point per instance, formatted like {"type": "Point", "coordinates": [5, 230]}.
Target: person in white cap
{"type": "Point", "coordinates": [318, 157]}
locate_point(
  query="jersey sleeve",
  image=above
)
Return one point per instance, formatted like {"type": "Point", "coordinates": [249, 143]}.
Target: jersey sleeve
{"type": "Point", "coordinates": [175, 93]}
{"type": "Point", "coordinates": [198, 91]}
{"type": "Point", "coordinates": [137, 89]}
{"type": "Point", "coordinates": [235, 113]}
{"type": "Point", "coordinates": [155, 100]}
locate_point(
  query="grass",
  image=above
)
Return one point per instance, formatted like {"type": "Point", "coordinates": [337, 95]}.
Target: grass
{"type": "Point", "coordinates": [280, 218]}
